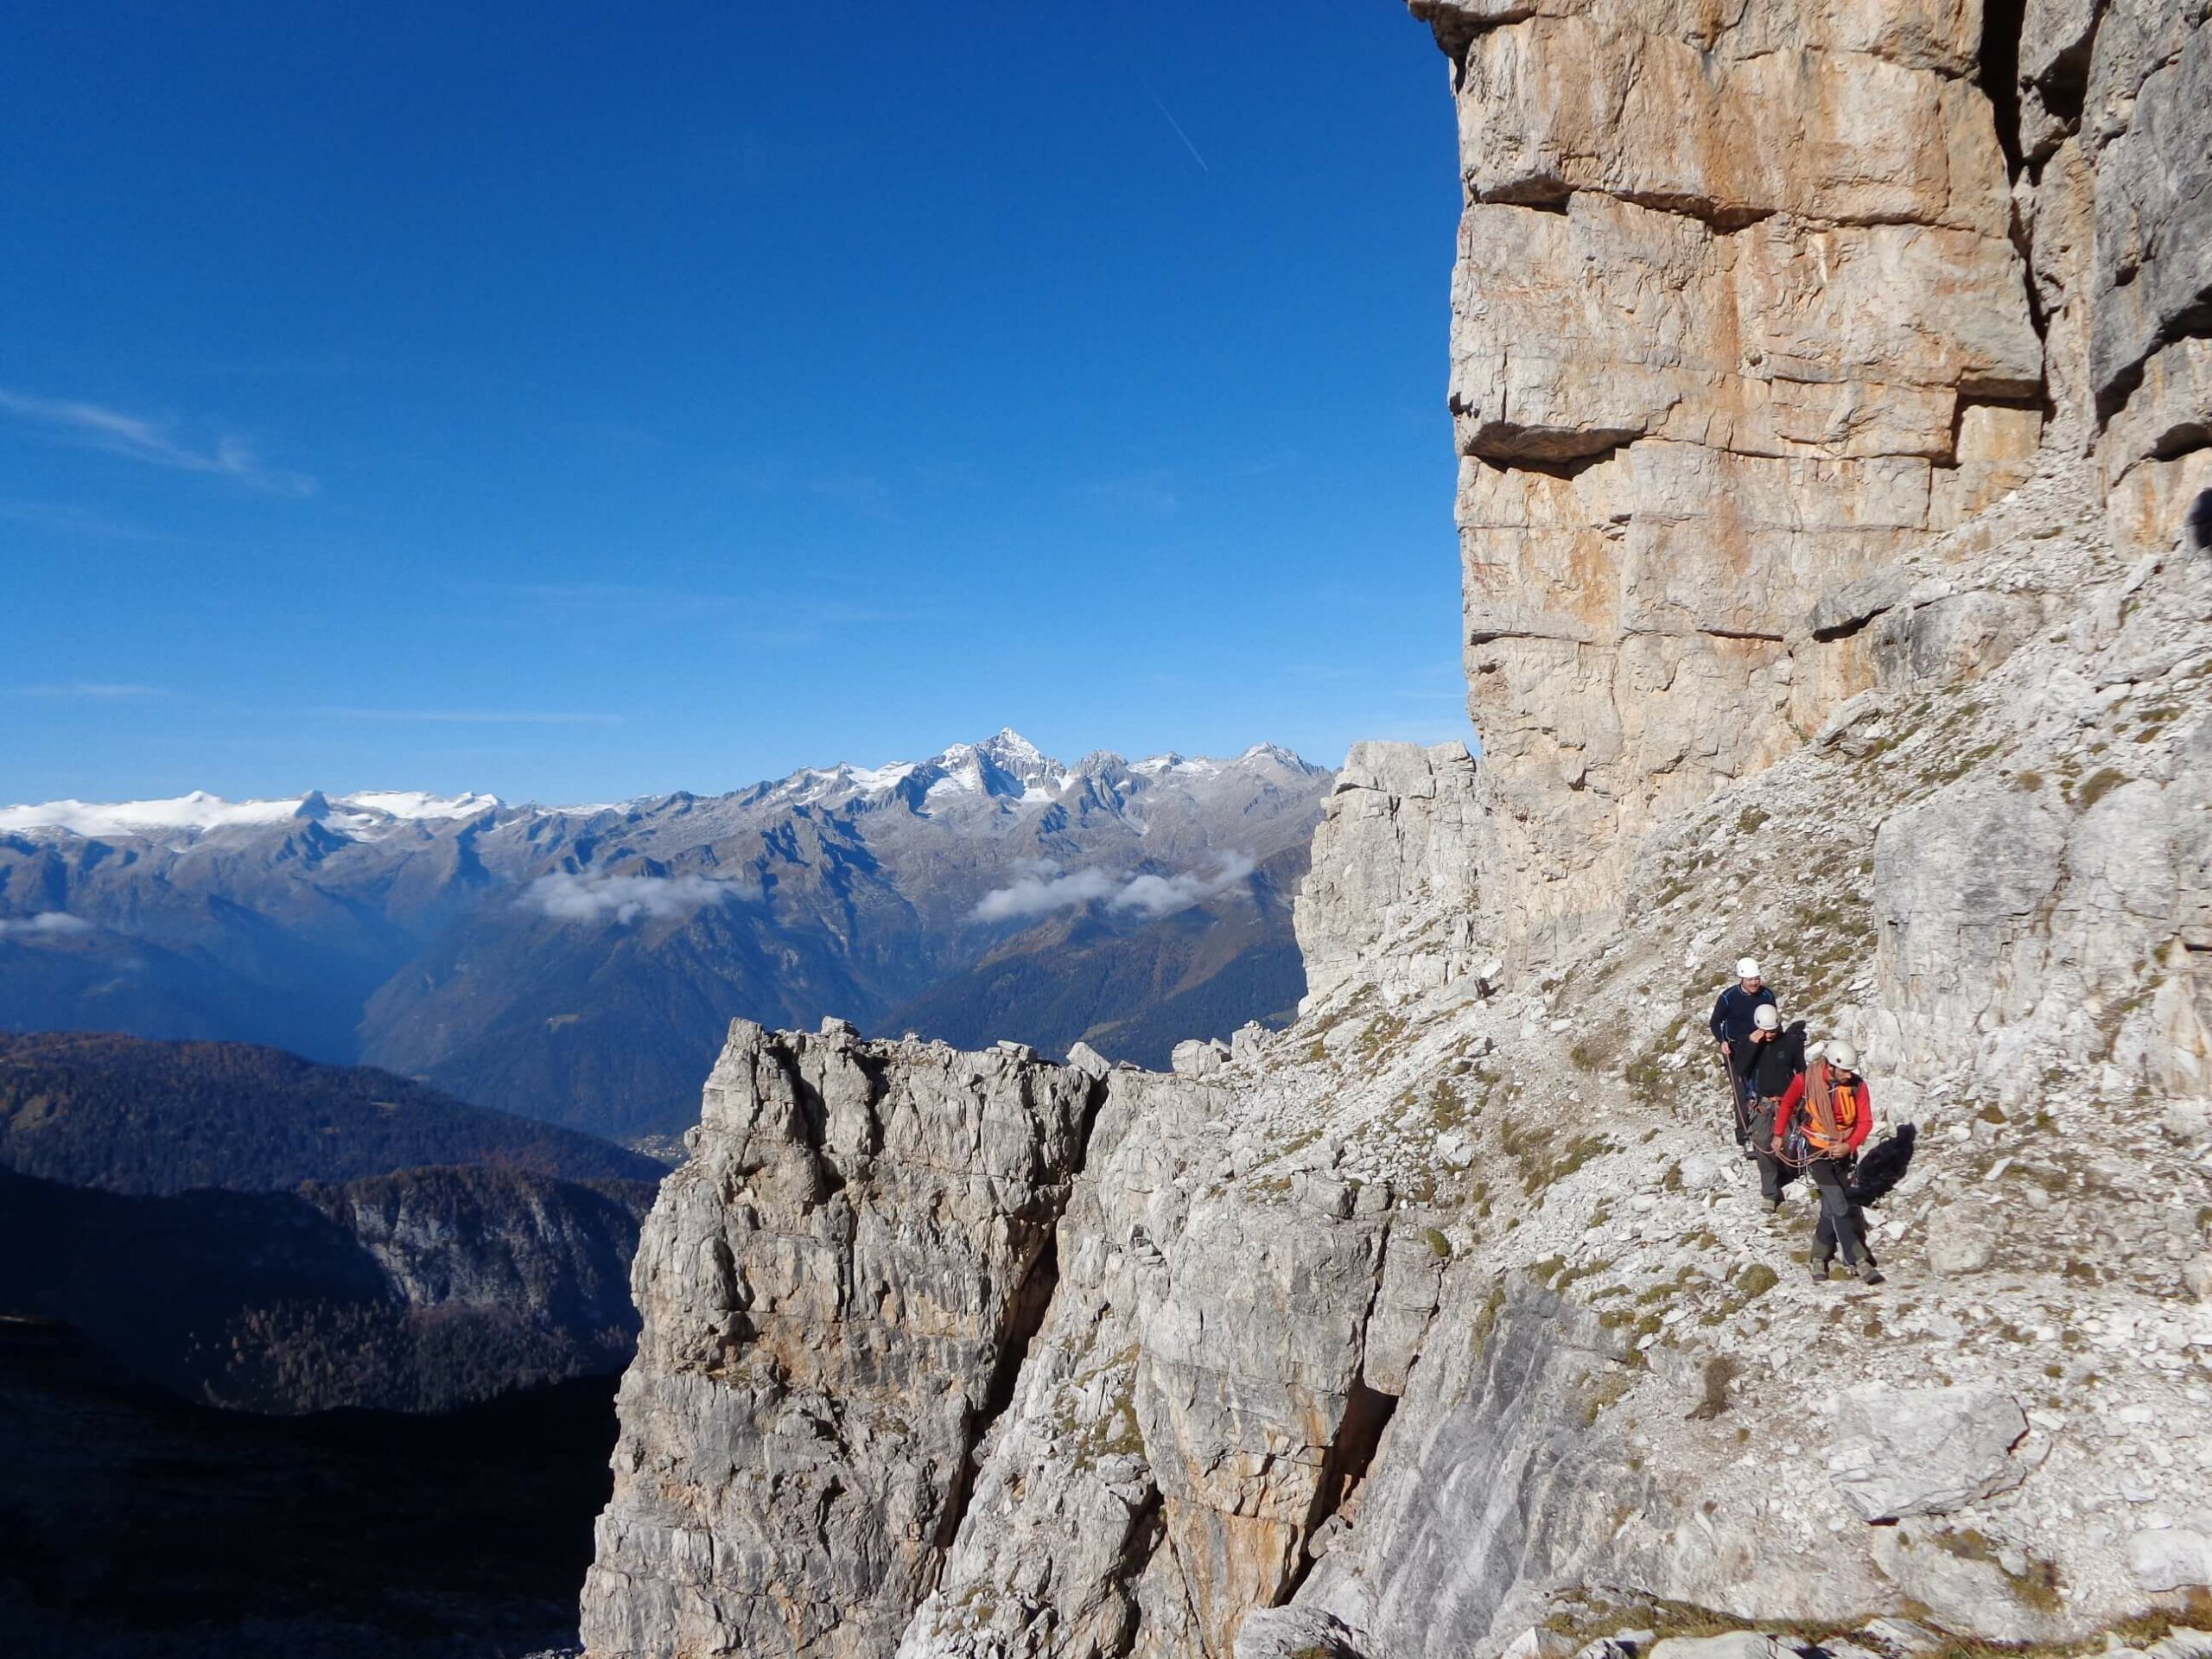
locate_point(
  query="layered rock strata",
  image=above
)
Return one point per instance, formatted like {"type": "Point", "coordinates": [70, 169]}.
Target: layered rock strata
{"type": "Point", "coordinates": [1741, 313]}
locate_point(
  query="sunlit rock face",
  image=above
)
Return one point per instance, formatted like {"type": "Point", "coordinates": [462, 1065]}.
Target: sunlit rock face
{"type": "Point", "coordinates": [1751, 302]}
{"type": "Point", "coordinates": [833, 1288]}
{"type": "Point", "coordinates": [1736, 319]}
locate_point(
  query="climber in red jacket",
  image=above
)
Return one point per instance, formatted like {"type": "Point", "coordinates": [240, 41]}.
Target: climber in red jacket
{"type": "Point", "coordinates": [1824, 1117]}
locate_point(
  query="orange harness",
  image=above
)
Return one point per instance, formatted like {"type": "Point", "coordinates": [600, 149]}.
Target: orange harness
{"type": "Point", "coordinates": [1825, 1119]}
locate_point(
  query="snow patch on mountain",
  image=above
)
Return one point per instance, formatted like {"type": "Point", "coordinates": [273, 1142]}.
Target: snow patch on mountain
{"type": "Point", "coordinates": [197, 811]}
{"type": "Point", "coordinates": [414, 804]}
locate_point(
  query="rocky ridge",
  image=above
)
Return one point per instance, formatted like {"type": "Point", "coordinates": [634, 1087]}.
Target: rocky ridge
{"type": "Point", "coordinates": [1829, 599]}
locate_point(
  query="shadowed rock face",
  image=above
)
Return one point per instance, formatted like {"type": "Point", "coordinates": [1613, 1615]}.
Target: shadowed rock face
{"type": "Point", "coordinates": [417, 1290]}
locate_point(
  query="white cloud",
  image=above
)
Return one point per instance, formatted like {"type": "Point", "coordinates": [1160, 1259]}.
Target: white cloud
{"type": "Point", "coordinates": [50, 924]}
{"type": "Point", "coordinates": [153, 442]}
{"type": "Point", "coordinates": [1038, 894]}
{"type": "Point", "coordinates": [1156, 895]}
{"type": "Point", "coordinates": [591, 898]}
{"type": "Point", "coordinates": [101, 691]}
{"type": "Point", "coordinates": [1044, 890]}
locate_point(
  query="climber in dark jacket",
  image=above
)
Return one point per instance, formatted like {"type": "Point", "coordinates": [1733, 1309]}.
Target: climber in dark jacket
{"type": "Point", "coordinates": [1772, 1059]}
{"type": "Point", "coordinates": [1731, 1029]}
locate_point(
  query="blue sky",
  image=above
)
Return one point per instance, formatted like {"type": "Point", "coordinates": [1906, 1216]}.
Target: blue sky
{"type": "Point", "coordinates": [577, 402]}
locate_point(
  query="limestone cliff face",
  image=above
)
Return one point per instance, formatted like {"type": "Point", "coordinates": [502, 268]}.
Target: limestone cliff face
{"type": "Point", "coordinates": [1396, 851]}
{"type": "Point", "coordinates": [1742, 313]}
{"type": "Point", "coordinates": [833, 1286]}
{"type": "Point", "coordinates": [1816, 404]}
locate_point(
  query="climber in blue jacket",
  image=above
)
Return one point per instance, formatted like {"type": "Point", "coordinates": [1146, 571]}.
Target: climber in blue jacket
{"type": "Point", "coordinates": [1733, 1016]}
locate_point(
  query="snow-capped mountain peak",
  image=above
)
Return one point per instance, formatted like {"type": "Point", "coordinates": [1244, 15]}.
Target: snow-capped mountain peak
{"type": "Point", "coordinates": [199, 812]}
{"type": "Point", "coordinates": [1011, 751]}
{"type": "Point", "coordinates": [1007, 765]}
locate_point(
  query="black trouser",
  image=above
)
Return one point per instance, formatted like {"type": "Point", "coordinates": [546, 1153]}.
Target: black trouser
{"type": "Point", "coordinates": [1841, 1221]}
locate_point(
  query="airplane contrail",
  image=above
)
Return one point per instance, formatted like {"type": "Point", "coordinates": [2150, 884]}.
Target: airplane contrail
{"type": "Point", "coordinates": [1180, 133]}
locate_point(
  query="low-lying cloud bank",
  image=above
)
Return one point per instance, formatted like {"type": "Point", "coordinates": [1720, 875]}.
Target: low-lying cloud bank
{"type": "Point", "coordinates": [51, 924]}
{"type": "Point", "coordinates": [1046, 889]}
{"type": "Point", "coordinates": [591, 897]}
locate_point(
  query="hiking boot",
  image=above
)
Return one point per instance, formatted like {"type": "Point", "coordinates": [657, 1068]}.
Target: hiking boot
{"type": "Point", "coordinates": [1819, 1273]}
{"type": "Point", "coordinates": [1868, 1273]}
{"type": "Point", "coordinates": [1773, 1205]}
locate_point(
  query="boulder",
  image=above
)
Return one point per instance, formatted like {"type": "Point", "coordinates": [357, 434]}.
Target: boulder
{"type": "Point", "coordinates": [1901, 1452]}
{"type": "Point", "coordinates": [1295, 1633]}
{"type": "Point", "coordinates": [1736, 1644]}
{"type": "Point", "coordinates": [1082, 1058]}
{"type": "Point", "coordinates": [1959, 1241]}
{"type": "Point", "coordinates": [1196, 1058]}
{"type": "Point", "coordinates": [2170, 1558]}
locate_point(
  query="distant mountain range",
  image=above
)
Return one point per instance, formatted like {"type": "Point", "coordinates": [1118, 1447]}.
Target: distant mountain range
{"type": "Point", "coordinates": [579, 964]}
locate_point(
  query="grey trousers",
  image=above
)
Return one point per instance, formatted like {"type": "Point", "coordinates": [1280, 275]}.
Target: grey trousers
{"type": "Point", "coordinates": [1841, 1221]}
{"type": "Point", "coordinates": [1770, 1174]}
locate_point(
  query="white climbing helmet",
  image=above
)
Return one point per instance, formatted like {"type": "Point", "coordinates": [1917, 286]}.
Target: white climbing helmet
{"type": "Point", "coordinates": [1842, 1053]}
{"type": "Point", "coordinates": [1767, 1017]}
{"type": "Point", "coordinates": [1748, 968]}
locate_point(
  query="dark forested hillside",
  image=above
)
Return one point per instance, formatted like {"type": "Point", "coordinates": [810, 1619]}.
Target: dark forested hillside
{"type": "Point", "coordinates": [134, 1525]}
{"type": "Point", "coordinates": [130, 1115]}
{"type": "Point", "coordinates": [415, 1292]}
